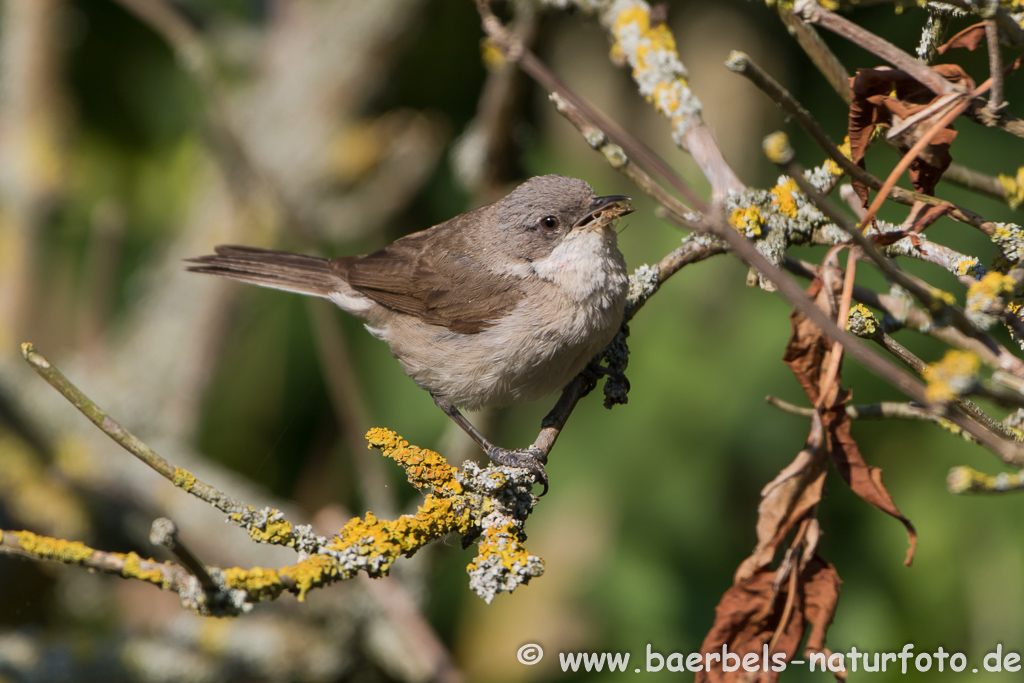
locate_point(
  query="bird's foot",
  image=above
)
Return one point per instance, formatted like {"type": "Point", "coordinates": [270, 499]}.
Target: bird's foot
{"type": "Point", "coordinates": [532, 459]}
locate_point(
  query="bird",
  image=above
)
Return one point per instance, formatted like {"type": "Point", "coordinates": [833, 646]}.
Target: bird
{"type": "Point", "coordinates": [504, 303]}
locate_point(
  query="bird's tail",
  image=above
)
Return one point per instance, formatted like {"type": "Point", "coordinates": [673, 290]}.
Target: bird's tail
{"type": "Point", "coordinates": [269, 268]}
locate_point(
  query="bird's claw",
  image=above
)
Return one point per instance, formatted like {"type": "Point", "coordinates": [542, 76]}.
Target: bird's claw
{"type": "Point", "coordinates": [532, 459]}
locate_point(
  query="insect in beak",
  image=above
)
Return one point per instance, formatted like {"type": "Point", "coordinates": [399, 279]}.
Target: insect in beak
{"type": "Point", "coordinates": [604, 210]}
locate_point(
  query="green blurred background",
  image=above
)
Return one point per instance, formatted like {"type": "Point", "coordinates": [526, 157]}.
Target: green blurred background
{"type": "Point", "coordinates": [333, 128]}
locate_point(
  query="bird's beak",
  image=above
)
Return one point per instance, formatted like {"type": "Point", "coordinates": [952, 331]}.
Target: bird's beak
{"type": "Point", "coordinates": [605, 209]}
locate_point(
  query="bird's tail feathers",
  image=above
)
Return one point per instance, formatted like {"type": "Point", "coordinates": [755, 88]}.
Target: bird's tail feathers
{"type": "Point", "coordinates": [270, 268]}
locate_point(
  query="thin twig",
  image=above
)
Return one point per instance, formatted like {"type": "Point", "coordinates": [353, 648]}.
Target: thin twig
{"type": "Point", "coordinates": [970, 179]}
{"type": "Point", "coordinates": [819, 52]}
{"type": "Point", "coordinates": [743, 65]}
{"type": "Point", "coordinates": [908, 358]}
{"type": "Point", "coordinates": [911, 387]}
{"type": "Point", "coordinates": [829, 383]}
{"type": "Point", "coordinates": [900, 313]}
{"type": "Point", "coordinates": [965, 479]}
{"type": "Point", "coordinates": [618, 159]}
{"type": "Point", "coordinates": [814, 13]}
{"type": "Point", "coordinates": [131, 443]}
{"type": "Point", "coordinates": [164, 532]}
{"type": "Point", "coordinates": [933, 298]}
{"type": "Point", "coordinates": [995, 67]}
{"type": "Point", "coordinates": [35, 547]}
{"type": "Point", "coordinates": [884, 410]}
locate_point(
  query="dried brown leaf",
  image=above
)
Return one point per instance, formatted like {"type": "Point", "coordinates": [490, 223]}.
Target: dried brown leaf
{"type": "Point", "coordinates": [821, 593]}
{"type": "Point", "coordinates": [785, 502]}
{"type": "Point", "coordinates": [750, 613]}
{"type": "Point", "coordinates": [808, 350]}
{"type": "Point", "coordinates": [865, 480]}
{"type": "Point", "coordinates": [807, 354]}
{"type": "Point", "coordinates": [886, 97]}
{"type": "Point", "coordinates": [969, 39]}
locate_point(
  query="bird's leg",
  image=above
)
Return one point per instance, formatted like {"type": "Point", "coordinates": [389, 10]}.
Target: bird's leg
{"type": "Point", "coordinates": [532, 459]}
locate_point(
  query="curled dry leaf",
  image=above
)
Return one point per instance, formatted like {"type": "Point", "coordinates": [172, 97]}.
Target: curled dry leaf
{"type": "Point", "coordinates": [923, 215]}
{"type": "Point", "coordinates": [785, 502]}
{"type": "Point", "coordinates": [753, 611]}
{"type": "Point", "coordinates": [969, 39]}
{"type": "Point", "coordinates": [807, 355]}
{"type": "Point", "coordinates": [865, 480]}
{"type": "Point", "coordinates": [890, 97]}
{"type": "Point", "coordinates": [767, 611]}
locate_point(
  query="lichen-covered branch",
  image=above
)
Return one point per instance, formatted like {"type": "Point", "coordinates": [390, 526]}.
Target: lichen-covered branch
{"type": "Point", "coordinates": [492, 503]}
{"type": "Point", "coordinates": [649, 48]}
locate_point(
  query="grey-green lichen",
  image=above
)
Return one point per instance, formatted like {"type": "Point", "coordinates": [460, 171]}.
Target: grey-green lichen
{"type": "Point", "coordinates": [987, 299]}
{"type": "Point", "coordinates": [1010, 239]}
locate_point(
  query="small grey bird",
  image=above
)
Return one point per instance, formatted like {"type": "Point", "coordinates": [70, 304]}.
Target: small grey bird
{"type": "Point", "coordinates": [504, 303]}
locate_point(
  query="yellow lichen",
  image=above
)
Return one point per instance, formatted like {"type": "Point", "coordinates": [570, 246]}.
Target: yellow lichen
{"type": "Point", "coordinates": [949, 426]}
{"type": "Point", "coordinates": [830, 164]}
{"type": "Point", "coordinates": [133, 570]}
{"type": "Point", "coordinates": [386, 540]}
{"type": "Point", "coordinates": [183, 479]}
{"type": "Point", "coordinates": [311, 572]}
{"type": "Point", "coordinates": [425, 468]}
{"type": "Point", "coordinates": [659, 35]}
{"type": "Point", "coordinates": [943, 297]}
{"type": "Point", "coordinates": [993, 285]}
{"type": "Point", "coordinates": [258, 582]}
{"type": "Point", "coordinates": [782, 196]}
{"type": "Point", "coordinates": [656, 40]}
{"type": "Point", "coordinates": [501, 541]}
{"type": "Point", "coordinates": [861, 321]}
{"type": "Point", "coordinates": [47, 548]}
{"type": "Point", "coordinates": [952, 376]}
{"type": "Point", "coordinates": [967, 266]}
{"type": "Point", "coordinates": [1014, 187]}
{"type": "Point", "coordinates": [747, 221]}
{"type": "Point", "coordinates": [277, 533]}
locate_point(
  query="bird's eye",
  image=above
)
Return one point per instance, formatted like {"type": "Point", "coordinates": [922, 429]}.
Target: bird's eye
{"type": "Point", "coordinates": [549, 222]}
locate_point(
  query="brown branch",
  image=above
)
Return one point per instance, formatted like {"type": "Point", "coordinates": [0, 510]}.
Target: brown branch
{"type": "Point", "coordinates": [970, 179]}
{"type": "Point", "coordinates": [819, 52]}
{"type": "Point", "coordinates": [741, 63]}
{"type": "Point", "coordinates": [128, 565]}
{"type": "Point", "coordinates": [1008, 451]}
{"type": "Point", "coordinates": [884, 410]}
{"type": "Point", "coordinates": [995, 67]}
{"type": "Point", "coordinates": [618, 159]}
{"type": "Point", "coordinates": [814, 13]}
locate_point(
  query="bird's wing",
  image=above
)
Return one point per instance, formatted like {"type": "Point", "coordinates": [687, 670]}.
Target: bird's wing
{"type": "Point", "coordinates": [447, 286]}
